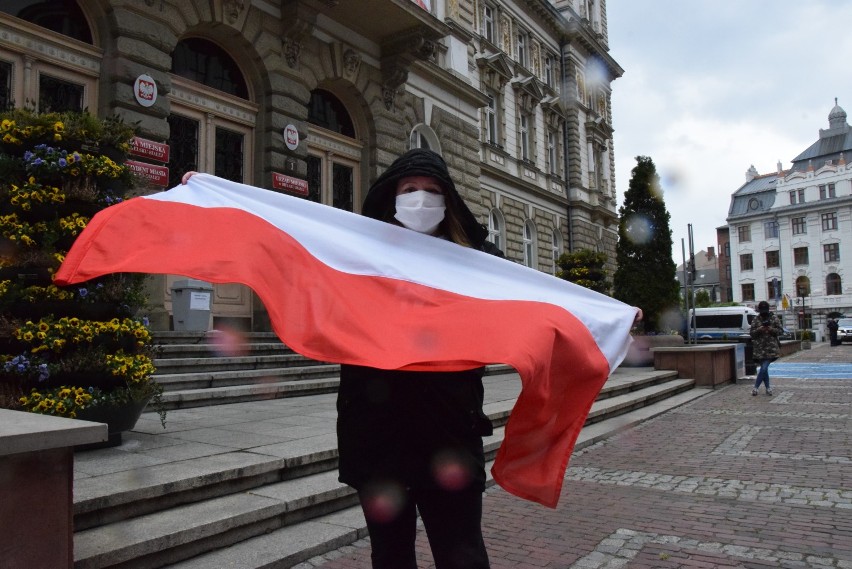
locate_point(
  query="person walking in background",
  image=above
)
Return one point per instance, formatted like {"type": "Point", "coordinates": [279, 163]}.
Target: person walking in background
{"type": "Point", "coordinates": [832, 331]}
{"type": "Point", "coordinates": [765, 330]}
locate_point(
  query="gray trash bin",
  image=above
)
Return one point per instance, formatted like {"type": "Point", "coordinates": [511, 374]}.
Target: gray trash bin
{"type": "Point", "coordinates": [191, 304]}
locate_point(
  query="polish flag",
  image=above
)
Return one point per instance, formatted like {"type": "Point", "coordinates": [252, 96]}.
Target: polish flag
{"type": "Point", "coordinates": [341, 287]}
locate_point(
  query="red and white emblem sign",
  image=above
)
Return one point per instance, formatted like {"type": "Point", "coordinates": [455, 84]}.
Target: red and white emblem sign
{"type": "Point", "coordinates": [145, 89]}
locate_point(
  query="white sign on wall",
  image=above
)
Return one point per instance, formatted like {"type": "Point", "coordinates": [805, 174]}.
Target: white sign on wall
{"type": "Point", "coordinates": [145, 90]}
{"type": "Point", "coordinates": [291, 137]}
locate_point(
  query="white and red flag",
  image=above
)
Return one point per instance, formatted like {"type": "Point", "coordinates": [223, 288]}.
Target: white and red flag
{"type": "Point", "coordinates": [344, 288]}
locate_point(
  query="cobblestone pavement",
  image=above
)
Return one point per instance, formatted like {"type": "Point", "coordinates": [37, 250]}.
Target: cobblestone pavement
{"type": "Point", "coordinates": [729, 480]}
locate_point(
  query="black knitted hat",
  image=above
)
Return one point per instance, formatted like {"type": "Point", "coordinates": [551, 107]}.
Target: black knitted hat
{"type": "Point", "coordinates": [381, 198]}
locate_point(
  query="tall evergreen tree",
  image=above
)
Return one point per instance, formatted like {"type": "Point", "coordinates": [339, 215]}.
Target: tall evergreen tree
{"type": "Point", "coordinates": [645, 276]}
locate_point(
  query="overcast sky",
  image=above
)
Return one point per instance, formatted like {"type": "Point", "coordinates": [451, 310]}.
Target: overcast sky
{"type": "Point", "coordinates": [712, 87]}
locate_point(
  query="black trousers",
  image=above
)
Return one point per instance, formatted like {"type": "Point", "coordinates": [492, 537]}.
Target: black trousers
{"type": "Point", "coordinates": [453, 522]}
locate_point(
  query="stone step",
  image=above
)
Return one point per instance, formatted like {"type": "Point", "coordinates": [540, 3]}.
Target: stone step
{"type": "Point", "coordinates": [175, 365]}
{"type": "Point", "coordinates": [204, 350]}
{"type": "Point", "coordinates": [212, 379]}
{"type": "Point", "coordinates": [158, 514]}
{"type": "Point", "coordinates": [293, 544]}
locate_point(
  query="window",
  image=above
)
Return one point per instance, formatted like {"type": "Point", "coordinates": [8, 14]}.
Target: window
{"type": "Point", "coordinates": [797, 196]}
{"type": "Point", "coordinates": [770, 230]}
{"type": "Point", "coordinates": [800, 225]}
{"type": "Point", "coordinates": [548, 70]}
{"type": "Point", "coordinates": [496, 228]}
{"type": "Point", "coordinates": [5, 85]}
{"type": "Point", "coordinates": [829, 221]}
{"type": "Point", "coordinates": [488, 31]}
{"type": "Point", "coordinates": [57, 96]}
{"type": "Point", "coordinates": [771, 292]}
{"type": "Point", "coordinates": [744, 233]}
{"type": "Point", "coordinates": [205, 62]}
{"type": "Point", "coordinates": [833, 284]}
{"type": "Point", "coordinates": [800, 256]}
{"type": "Point", "coordinates": [491, 122]}
{"type": "Point", "coordinates": [748, 291]}
{"type": "Point", "coordinates": [827, 191]}
{"type": "Point", "coordinates": [529, 244]}
{"type": "Point", "coordinates": [556, 246]}
{"type": "Point", "coordinates": [552, 165]}
{"type": "Point", "coordinates": [524, 136]}
{"type": "Point", "coordinates": [831, 252]}
{"type": "Point", "coordinates": [773, 259]}
{"type": "Point", "coordinates": [522, 48]}
{"type": "Point", "coordinates": [746, 262]}
{"type": "Point", "coordinates": [216, 142]}
{"type": "Point", "coordinates": [423, 136]}
{"type": "Point", "coordinates": [334, 153]}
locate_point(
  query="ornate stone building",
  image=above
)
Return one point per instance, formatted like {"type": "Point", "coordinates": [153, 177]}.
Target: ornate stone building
{"type": "Point", "coordinates": [790, 232]}
{"type": "Point", "coordinates": [317, 97]}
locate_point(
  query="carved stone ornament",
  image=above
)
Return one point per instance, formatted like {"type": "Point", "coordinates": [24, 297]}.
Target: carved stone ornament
{"type": "Point", "coordinates": [233, 9]}
{"type": "Point", "coordinates": [506, 26]}
{"type": "Point", "coordinates": [292, 49]}
{"type": "Point", "coordinates": [388, 96]}
{"type": "Point", "coordinates": [351, 62]}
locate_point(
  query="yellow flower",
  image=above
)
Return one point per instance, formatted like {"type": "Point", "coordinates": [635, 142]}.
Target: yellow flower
{"type": "Point", "coordinates": [58, 126]}
{"type": "Point", "coordinates": [7, 124]}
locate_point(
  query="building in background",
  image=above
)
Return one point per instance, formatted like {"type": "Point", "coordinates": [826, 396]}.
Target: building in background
{"type": "Point", "coordinates": [705, 277]}
{"type": "Point", "coordinates": [791, 232]}
{"type": "Point", "coordinates": [316, 98]}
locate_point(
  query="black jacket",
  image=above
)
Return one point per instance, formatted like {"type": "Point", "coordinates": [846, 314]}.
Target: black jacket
{"type": "Point", "coordinates": [399, 424]}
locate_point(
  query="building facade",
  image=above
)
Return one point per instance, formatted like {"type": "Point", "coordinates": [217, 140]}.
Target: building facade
{"type": "Point", "coordinates": [317, 97]}
{"type": "Point", "coordinates": [790, 232]}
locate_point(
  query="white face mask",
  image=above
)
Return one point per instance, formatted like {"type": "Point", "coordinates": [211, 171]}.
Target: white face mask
{"type": "Point", "coordinates": [420, 211]}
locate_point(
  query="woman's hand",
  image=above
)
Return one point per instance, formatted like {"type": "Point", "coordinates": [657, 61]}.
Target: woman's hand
{"type": "Point", "coordinates": [185, 178]}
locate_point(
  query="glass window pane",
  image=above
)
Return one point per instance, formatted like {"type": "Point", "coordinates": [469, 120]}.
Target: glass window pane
{"type": "Point", "coordinates": [314, 178]}
{"type": "Point", "coordinates": [183, 147]}
{"type": "Point", "coordinates": [327, 111]}
{"type": "Point", "coordinates": [56, 95]}
{"type": "Point", "coordinates": [342, 186]}
{"type": "Point", "coordinates": [230, 155]}
{"type": "Point", "coordinates": [205, 62]}
{"type": "Point", "coordinates": [5, 85]}
{"type": "Point", "coordinates": [61, 16]}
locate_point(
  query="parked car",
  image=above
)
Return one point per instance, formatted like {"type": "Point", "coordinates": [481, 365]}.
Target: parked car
{"type": "Point", "coordinates": [844, 330]}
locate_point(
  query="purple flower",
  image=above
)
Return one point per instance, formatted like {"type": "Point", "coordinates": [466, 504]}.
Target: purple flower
{"type": "Point", "coordinates": [83, 292]}
{"type": "Point", "coordinates": [63, 162]}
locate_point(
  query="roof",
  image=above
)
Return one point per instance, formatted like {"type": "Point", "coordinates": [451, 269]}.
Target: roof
{"type": "Point", "coordinates": [755, 196]}
{"type": "Point", "coordinates": [831, 143]}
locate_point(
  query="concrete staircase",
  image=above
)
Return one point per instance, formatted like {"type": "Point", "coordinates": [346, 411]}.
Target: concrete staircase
{"type": "Point", "coordinates": [253, 508]}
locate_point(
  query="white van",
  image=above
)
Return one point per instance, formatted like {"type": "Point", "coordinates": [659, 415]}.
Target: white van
{"type": "Point", "coordinates": [722, 322]}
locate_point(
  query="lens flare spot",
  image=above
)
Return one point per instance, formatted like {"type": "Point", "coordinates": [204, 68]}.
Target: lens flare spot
{"type": "Point", "coordinates": [382, 503]}
{"type": "Point", "coordinates": [450, 472]}
{"type": "Point", "coordinates": [639, 229]}
{"type": "Point", "coordinates": [228, 342]}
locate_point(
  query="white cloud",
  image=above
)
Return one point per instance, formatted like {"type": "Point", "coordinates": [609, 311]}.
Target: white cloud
{"type": "Point", "coordinates": [711, 88]}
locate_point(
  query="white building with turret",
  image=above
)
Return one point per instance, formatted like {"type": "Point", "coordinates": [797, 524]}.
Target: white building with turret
{"type": "Point", "coordinates": [791, 232]}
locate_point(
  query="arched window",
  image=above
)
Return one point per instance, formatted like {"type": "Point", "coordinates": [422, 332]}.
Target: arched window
{"type": "Point", "coordinates": [422, 136]}
{"type": "Point", "coordinates": [833, 284]}
{"type": "Point", "coordinates": [496, 229]}
{"type": "Point", "coordinates": [212, 129]}
{"type": "Point", "coordinates": [205, 62]}
{"type": "Point", "coordinates": [60, 16]}
{"type": "Point", "coordinates": [556, 248]}
{"type": "Point", "coordinates": [530, 238]}
{"type": "Point", "coordinates": [803, 286]}
{"type": "Point", "coordinates": [334, 153]}
{"type": "Point", "coordinates": [51, 71]}
{"type": "Point", "coordinates": [327, 111]}
{"type": "Point", "coordinates": [217, 140]}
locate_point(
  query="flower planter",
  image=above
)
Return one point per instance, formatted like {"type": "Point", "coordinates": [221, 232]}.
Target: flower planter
{"type": "Point", "coordinates": [118, 418]}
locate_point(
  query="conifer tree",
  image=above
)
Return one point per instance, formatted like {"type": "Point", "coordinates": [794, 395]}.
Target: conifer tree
{"type": "Point", "coordinates": [645, 276]}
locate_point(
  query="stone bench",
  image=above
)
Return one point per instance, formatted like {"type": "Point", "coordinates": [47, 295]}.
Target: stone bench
{"type": "Point", "coordinates": [708, 364]}
{"type": "Point", "coordinates": [37, 473]}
